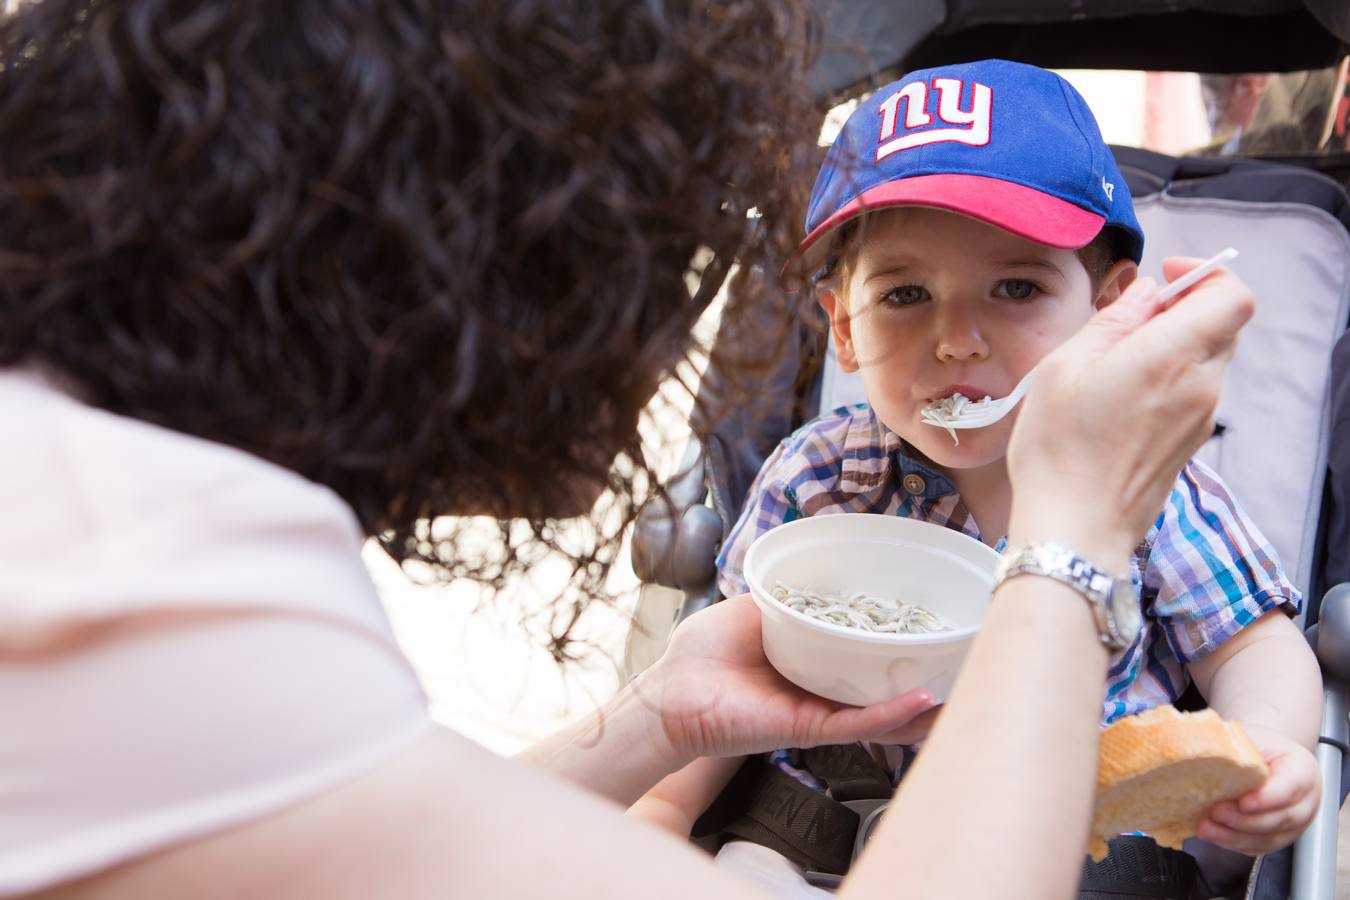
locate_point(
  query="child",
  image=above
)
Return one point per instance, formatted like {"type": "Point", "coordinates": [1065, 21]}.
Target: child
{"type": "Point", "coordinates": [967, 221]}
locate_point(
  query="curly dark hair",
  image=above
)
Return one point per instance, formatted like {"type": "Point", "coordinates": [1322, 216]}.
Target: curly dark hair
{"type": "Point", "coordinates": [434, 254]}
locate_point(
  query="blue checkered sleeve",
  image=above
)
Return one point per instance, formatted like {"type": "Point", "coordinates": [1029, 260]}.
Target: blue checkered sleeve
{"type": "Point", "coordinates": [769, 503]}
{"type": "Point", "coordinates": [1213, 572]}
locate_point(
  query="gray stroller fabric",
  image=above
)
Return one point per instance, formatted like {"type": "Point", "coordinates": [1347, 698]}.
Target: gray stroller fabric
{"type": "Point", "coordinates": [1273, 411]}
{"type": "Point", "coordinates": [1336, 541]}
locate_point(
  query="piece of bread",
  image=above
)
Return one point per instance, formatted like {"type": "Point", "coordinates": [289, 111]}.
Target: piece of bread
{"type": "Point", "coordinates": [1159, 772]}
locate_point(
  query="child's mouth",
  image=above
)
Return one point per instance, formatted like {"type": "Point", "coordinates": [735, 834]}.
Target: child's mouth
{"type": "Point", "coordinates": [964, 390]}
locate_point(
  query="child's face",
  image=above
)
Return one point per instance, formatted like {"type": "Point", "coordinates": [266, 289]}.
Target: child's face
{"type": "Point", "coordinates": [936, 303]}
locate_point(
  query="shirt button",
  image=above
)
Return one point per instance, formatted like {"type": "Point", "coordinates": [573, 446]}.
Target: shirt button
{"type": "Point", "coordinates": [914, 483]}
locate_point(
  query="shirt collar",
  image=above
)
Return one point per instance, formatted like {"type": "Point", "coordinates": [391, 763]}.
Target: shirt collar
{"type": "Point", "coordinates": [874, 456]}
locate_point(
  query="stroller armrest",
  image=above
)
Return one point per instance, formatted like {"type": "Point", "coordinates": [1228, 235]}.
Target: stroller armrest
{"type": "Point", "coordinates": [675, 538]}
{"type": "Point", "coordinates": [1330, 637]}
{"type": "Point", "coordinates": [674, 555]}
{"type": "Point", "coordinates": [1314, 875]}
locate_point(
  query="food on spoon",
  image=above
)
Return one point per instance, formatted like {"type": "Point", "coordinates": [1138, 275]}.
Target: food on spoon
{"type": "Point", "coordinates": [942, 412]}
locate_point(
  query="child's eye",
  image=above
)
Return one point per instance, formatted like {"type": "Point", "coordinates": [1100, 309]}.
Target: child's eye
{"type": "Point", "coordinates": [1017, 289]}
{"type": "Point", "coordinates": [905, 295]}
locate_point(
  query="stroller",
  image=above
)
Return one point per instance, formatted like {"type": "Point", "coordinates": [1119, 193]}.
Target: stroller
{"type": "Point", "coordinates": [1273, 183]}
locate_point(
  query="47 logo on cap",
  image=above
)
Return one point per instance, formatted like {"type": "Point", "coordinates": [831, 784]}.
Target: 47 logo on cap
{"type": "Point", "coordinates": [968, 126]}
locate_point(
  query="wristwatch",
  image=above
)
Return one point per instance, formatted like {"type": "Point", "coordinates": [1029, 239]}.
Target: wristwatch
{"type": "Point", "coordinates": [1114, 604]}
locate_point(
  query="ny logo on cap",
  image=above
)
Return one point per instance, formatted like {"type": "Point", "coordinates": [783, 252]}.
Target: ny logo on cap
{"type": "Point", "coordinates": [969, 126]}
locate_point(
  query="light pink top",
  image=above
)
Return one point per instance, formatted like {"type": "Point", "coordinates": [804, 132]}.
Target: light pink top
{"type": "Point", "coordinates": [188, 640]}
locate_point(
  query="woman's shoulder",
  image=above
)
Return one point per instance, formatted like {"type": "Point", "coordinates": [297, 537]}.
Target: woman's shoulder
{"type": "Point", "coordinates": [107, 514]}
{"type": "Point", "coordinates": [112, 466]}
{"type": "Point", "coordinates": [158, 590]}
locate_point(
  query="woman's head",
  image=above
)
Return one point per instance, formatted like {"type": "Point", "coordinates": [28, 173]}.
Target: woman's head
{"type": "Point", "coordinates": [435, 255]}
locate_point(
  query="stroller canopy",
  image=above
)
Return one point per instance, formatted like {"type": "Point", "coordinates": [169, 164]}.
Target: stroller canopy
{"type": "Point", "coordinates": [867, 40]}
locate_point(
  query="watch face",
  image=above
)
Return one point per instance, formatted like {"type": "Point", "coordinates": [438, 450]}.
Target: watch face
{"type": "Point", "coordinates": [1125, 609]}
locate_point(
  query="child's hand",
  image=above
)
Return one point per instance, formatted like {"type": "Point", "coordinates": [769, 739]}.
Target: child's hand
{"type": "Point", "coordinates": [1275, 814]}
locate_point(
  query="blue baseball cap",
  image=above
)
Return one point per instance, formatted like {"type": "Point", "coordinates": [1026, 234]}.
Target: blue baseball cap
{"type": "Point", "coordinates": [1009, 144]}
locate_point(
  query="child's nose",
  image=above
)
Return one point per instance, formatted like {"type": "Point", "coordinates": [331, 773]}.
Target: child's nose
{"type": "Point", "coordinates": [959, 338]}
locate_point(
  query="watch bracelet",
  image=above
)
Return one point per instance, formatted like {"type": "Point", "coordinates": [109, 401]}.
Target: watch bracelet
{"type": "Point", "coordinates": [1059, 563]}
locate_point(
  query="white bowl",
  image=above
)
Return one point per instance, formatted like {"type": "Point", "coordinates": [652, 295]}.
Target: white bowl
{"type": "Point", "coordinates": [938, 568]}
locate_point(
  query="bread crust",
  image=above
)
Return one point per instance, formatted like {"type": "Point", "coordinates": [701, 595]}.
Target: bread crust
{"type": "Point", "coordinates": [1160, 771]}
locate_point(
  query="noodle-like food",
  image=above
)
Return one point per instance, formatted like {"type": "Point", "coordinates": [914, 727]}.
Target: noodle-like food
{"type": "Point", "coordinates": [941, 412]}
{"type": "Point", "coordinates": [861, 611]}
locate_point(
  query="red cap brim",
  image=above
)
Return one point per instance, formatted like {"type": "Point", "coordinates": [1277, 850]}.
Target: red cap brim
{"type": "Point", "coordinates": [1024, 211]}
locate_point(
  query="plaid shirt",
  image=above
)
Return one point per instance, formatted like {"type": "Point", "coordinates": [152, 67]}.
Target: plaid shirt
{"type": "Point", "coordinates": [1203, 572]}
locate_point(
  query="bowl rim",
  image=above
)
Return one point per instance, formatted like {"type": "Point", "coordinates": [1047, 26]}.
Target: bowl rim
{"type": "Point", "coordinates": [857, 634]}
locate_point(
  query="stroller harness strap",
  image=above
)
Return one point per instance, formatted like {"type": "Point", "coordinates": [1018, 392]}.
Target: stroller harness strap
{"type": "Point", "coordinates": [849, 771]}
{"type": "Point", "coordinates": [805, 826]}
{"type": "Point", "coordinates": [821, 833]}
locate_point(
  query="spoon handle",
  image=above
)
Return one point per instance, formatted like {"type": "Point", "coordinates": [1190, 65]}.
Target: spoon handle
{"type": "Point", "coordinates": [997, 410]}
{"type": "Point", "coordinates": [1176, 287]}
